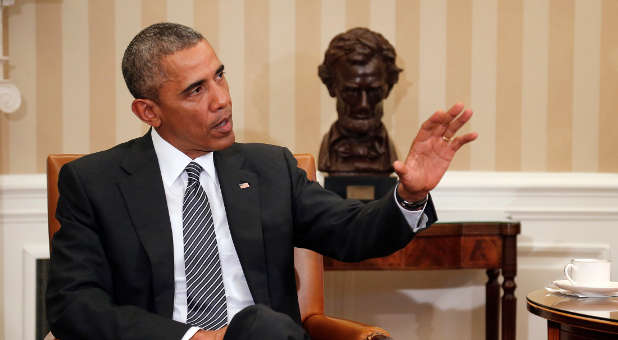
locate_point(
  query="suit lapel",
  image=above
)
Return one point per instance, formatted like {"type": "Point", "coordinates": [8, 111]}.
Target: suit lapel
{"type": "Point", "coordinates": [240, 190]}
{"type": "Point", "coordinates": [144, 196]}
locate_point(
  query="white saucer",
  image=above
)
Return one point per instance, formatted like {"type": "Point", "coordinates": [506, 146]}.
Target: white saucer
{"type": "Point", "coordinates": [606, 289]}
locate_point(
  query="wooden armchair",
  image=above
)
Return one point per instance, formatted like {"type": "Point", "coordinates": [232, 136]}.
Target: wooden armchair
{"type": "Point", "coordinates": [308, 265]}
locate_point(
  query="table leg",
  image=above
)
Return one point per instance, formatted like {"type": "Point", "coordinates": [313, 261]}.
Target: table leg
{"type": "Point", "coordinates": [492, 303]}
{"type": "Point", "coordinates": [553, 330]}
{"type": "Point", "coordinates": [509, 301]}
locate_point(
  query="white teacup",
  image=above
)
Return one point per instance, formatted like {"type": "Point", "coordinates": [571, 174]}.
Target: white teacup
{"type": "Point", "coordinates": [588, 272]}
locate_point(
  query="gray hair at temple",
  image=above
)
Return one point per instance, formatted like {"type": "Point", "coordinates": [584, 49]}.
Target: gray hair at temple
{"type": "Point", "coordinates": [358, 45]}
{"type": "Point", "coordinates": [141, 64]}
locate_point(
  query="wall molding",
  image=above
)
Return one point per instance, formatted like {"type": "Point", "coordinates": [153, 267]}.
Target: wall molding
{"type": "Point", "coordinates": [23, 198]}
{"type": "Point", "coordinates": [528, 195]}
{"type": "Point", "coordinates": [23, 226]}
{"type": "Point", "coordinates": [546, 249]}
{"type": "Point", "coordinates": [470, 195]}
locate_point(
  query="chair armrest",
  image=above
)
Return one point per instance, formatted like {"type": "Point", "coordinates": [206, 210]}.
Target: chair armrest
{"type": "Point", "coordinates": [322, 327]}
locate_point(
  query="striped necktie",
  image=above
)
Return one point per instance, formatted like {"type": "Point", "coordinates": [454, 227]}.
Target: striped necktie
{"type": "Point", "coordinates": [207, 307]}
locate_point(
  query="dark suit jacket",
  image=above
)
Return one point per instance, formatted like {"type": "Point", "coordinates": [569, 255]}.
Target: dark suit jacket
{"type": "Point", "coordinates": [112, 274]}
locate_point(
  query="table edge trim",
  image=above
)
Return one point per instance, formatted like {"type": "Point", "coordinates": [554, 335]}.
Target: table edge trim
{"type": "Point", "coordinates": [572, 316]}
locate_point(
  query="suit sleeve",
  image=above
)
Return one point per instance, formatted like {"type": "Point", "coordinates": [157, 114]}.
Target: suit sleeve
{"type": "Point", "coordinates": [346, 230]}
{"type": "Point", "coordinates": [80, 298]}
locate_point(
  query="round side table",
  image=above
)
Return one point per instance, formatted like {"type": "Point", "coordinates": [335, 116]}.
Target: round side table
{"type": "Point", "coordinates": [573, 318]}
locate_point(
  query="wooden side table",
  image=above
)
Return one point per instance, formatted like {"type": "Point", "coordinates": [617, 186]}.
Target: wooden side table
{"type": "Point", "coordinates": [469, 245]}
{"type": "Point", "coordinates": [572, 318]}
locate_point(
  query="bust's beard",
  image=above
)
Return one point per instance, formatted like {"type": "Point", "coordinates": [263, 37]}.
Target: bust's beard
{"type": "Point", "coordinates": [358, 127]}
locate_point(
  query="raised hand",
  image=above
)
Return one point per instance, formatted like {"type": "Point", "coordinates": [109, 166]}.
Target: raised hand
{"type": "Point", "coordinates": [431, 152]}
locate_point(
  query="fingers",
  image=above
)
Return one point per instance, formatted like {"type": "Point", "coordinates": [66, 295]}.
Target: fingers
{"type": "Point", "coordinates": [455, 110]}
{"type": "Point", "coordinates": [455, 125]}
{"type": "Point", "coordinates": [436, 124]}
{"type": "Point", "coordinates": [440, 121]}
{"type": "Point", "coordinates": [462, 140]}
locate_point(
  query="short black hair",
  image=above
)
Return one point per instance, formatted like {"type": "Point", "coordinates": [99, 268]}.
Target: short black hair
{"type": "Point", "coordinates": [141, 63]}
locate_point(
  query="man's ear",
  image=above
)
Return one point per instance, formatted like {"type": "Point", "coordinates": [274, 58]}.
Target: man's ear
{"type": "Point", "coordinates": [147, 111]}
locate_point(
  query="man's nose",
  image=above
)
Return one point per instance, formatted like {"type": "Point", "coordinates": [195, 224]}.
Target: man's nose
{"type": "Point", "coordinates": [220, 98]}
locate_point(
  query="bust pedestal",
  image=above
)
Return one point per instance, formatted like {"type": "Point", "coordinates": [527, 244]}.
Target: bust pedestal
{"type": "Point", "coordinates": [361, 187]}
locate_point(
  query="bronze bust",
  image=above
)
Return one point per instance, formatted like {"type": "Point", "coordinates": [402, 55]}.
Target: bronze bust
{"type": "Point", "coordinates": [359, 70]}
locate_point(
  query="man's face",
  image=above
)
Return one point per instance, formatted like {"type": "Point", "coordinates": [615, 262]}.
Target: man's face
{"type": "Point", "coordinates": [360, 90]}
{"type": "Point", "coordinates": [194, 105]}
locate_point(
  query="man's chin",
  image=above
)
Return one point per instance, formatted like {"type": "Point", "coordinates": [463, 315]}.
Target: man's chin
{"type": "Point", "coordinates": [224, 142]}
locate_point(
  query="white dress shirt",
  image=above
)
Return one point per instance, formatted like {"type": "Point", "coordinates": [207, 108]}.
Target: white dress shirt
{"type": "Point", "coordinates": [172, 163]}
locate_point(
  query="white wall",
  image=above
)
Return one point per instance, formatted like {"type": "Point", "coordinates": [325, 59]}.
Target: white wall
{"type": "Point", "coordinates": [563, 215]}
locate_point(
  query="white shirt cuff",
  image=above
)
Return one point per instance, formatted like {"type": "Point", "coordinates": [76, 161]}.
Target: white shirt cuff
{"type": "Point", "coordinates": [415, 218]}
{"type": "Point", "coordinates": [191, 332]}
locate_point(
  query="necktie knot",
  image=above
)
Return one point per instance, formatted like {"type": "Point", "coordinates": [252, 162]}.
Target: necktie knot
{"type": "Point", "coordinates": [193, 171]}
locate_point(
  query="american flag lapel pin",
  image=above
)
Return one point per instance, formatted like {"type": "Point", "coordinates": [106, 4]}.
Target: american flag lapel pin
{"type": "Point", "coordinates": [244, 185]}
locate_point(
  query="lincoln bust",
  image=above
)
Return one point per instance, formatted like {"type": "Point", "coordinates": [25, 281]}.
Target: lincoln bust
{"type": "Point", "coordinates": [359, 70]}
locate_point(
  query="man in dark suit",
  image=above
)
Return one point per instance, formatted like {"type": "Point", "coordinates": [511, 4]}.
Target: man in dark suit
{"type": "Point", "coordinates": [120, 267]}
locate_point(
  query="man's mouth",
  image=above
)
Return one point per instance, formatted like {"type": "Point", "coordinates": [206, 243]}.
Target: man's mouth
{"type": "Point", "coordinates": [225, 125]}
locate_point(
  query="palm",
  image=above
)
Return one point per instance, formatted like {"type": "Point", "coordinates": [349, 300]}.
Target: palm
{"type": "Point", "coordinates": [432, 151]}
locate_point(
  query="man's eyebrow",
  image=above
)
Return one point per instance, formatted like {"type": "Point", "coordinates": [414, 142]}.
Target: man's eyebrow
{"type": "Point", "coordinates": [192, 86]}
{"type": "Point", "coordinates": [201, 81]}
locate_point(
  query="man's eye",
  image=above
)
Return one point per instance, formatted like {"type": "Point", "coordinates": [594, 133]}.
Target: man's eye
{"type": "Point", "coordinates": [197, 90]}
{"type": "Point", "coordinates": [221, 75]}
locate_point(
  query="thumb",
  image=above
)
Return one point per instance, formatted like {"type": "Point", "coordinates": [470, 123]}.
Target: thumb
{"type": "Point", "coordinates": [399, 167]}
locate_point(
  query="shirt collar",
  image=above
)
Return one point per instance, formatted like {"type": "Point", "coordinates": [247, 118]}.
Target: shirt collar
{"type": "Point", "coordinates": [173, 162]}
